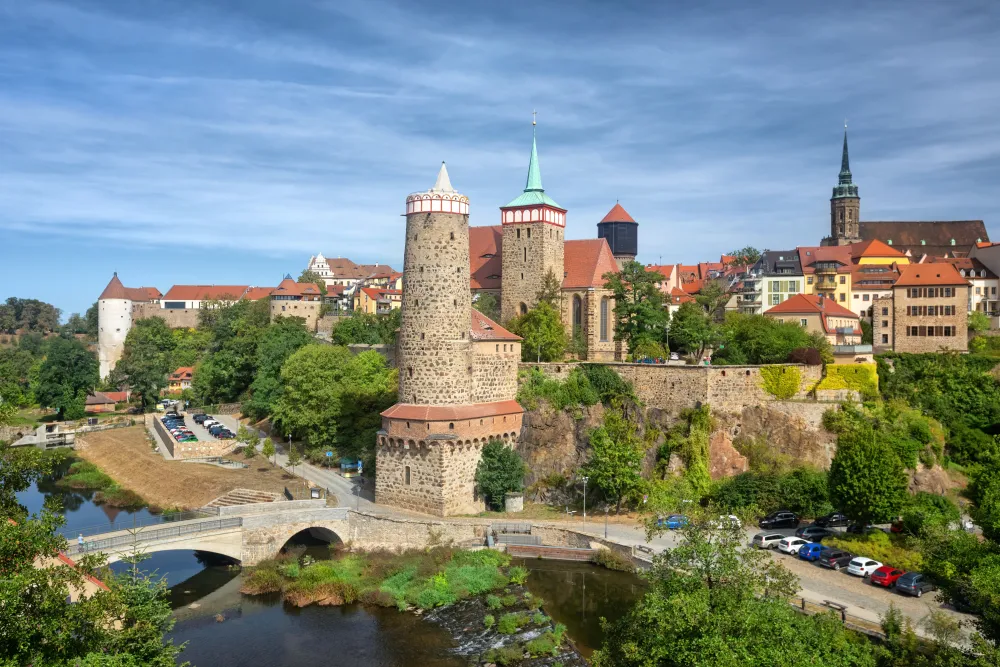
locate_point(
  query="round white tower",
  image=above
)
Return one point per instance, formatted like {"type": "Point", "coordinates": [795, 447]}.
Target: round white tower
{"type": "Point", "coordinates": [114, 319]}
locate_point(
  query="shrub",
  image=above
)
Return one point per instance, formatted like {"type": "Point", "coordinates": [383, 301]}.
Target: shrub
{"type": "Point", "coordinates": [260, 581]}
{"type": "Point", "coordinates": [489, 621]}
{"type": "Point", "coordinates": [803, 491]}
{"type": "Point", "coordinates": [539, 618]}
{"type": "Point", "coordinates": [613, 560]}
{"type": "Point", "coordinates": [895, 551]}
{"type": "Point", "coordinates": [509, 600]}
{"type": "Point", "coordinates": [493, 602]}
{"type": "Point", "coordinates": [862, 378]}
{"type": "Point", "coordinates": [500, 471]}
{"type": "Point", "coordinates": [534, 603]}
{"type": "Point", "coordinates": [505, 655]}
{"type": "Point", "coordinates": [587, 384]}
{"type": "Point", "coordinates": [508, 624]}
{"type": "Point", "coordinates": [518, 575]}
{"type": "Point", "coordinates": [926, 511]}
{"type": "Point", "coordinates": [542, 645]}
{"type": "Point", "coordinates": [782, 382]}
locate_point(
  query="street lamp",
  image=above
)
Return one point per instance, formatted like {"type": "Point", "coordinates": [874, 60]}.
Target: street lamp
{"type": "Point", "coordinates": [585, 502]}
{"type": "Point", "coordinates": [605, 522]}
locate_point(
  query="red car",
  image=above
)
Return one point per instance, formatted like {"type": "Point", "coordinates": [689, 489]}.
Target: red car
{"type": "Point", "coordinates": [886, 576]}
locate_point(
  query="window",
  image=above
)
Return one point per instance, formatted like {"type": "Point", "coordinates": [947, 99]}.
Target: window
{"type": "Point", "coordinates": [843, 297]}
{"type": "Point", "coordinates": [775, 299]}
{"type": "Point", "coordinates": [864, 298]}
{"type": "Point", "coordinates": [453, 236]}
{"type": "Point", "coordinates": [524, 307]}
{"type": "Point", "coordinates": [809, 280]}
{"type": "Point", "coordinates": [604, 319]}
{"type": "Point", "coordinates": [885, 311]}
{"type": "Point", "coordinates": [885, 339]}
{"type": "Point", "coordinates": [978, 291]}
{"type": "Point", "coordinates": [529, 233]}
{"type": "Point", "coordinates": [885, 323]}
{"type": "Point", "coordinates": [804, 322]}
{"type": "Point", "coordinates": [843, 280]}
{"type": "Point", "coordinates": [526, 254]}
{"type": "Point", "coordinates": [519, 233]}
{"type": "Point", "coordinates": [577, 314]}
{"type": "Point", "coordinates": [406, 472]}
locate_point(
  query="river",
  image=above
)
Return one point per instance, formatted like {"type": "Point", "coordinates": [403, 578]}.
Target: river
{"type": "Point", "coordinates": [223, 628]}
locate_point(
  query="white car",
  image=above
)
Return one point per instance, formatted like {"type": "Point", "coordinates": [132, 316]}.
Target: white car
{"type": "Point", "coordinates": [208, 423]}
{"type": "Point", "coordinates": [791, 545]}
{"type": "Point", "coordinates": [863, 566]}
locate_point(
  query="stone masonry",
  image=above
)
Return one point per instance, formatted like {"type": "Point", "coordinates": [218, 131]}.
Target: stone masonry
{"type": "Point", "coordinates": [530, 251]}
{"type": "Point", "coordinates": [903, 338]}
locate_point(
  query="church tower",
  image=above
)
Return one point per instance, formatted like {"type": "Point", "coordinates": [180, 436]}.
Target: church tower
{"type": "Point", "coordinates": [533, 236]}
{"type": "Point", "coordinates": [845, 206]}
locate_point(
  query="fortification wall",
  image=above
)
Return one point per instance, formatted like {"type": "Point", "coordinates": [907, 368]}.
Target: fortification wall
{"type": "Point", "coordinates": [494, 371]}
{"type": "Point", "coordinates": [176, 318]}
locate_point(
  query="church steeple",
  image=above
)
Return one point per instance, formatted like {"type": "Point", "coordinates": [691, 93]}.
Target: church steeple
{"type": "Point", "coordinates": [534, 182]}
{"type": "Point", "coordinates": [845, 205]}
{"type": "Point", "coordinates": [845, 186]}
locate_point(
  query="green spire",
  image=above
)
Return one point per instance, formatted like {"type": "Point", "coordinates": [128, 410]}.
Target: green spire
{"type": "Point", "coordinates": [845, 187]}
{"type": "Point", "coordinates": [534, 182]}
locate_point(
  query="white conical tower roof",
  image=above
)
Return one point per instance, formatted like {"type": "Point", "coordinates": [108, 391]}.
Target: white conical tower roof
{"type": "Point", "coordinates": [440, 198]}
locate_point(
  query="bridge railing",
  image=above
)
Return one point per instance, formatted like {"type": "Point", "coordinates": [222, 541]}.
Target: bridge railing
{"type": "Point", "coordinates": [127, 524]}
{"type": "Point", "coordinates": [119, 542]}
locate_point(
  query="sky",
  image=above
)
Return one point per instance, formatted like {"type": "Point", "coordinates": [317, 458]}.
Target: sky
{"type": "Point", "coordinates": [226, 141]}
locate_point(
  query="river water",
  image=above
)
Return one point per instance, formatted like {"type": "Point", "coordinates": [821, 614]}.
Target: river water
{"type": "Point", "coordinates": [223, 628]}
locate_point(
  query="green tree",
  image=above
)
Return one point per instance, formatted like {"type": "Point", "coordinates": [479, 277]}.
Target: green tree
{"type": "Point", "coordinates": [75, 324]}
{"type": "Point", "coordinates": [712, 602]}
{"type": "Point", "coordinates": [92, 322]}
{"type": "Point", "coordinates": [979, 321]}
{"type": "Point", "coordinates": [867, 479]}
{"type": "Point", "coordinates": [542, 331]}
{"type": "Point", "coordinates": [758, 339]}
{"type": "Point", "coordinates": [268, 450]}
{"type": "Point", "coordinates": [692, 330]}
{"type": "Point", "coordinates": [500, 471]}
{"type": "Point", "coordinates": [278, 342]}
{"type": "Point", "coordinates": [314, 278]}
{"type": "Point", "coordinates": [639, 308]}
{"type": "Point", "coordinates": [367, 329]}
{"type": "Point", "coordinates": [551, 290]}
{"type": "Point", "coordinates": [228, 369]}
{"type": "Point", "coordinates": [189, 347]}
{"type": "Point", "coordinates": [487, 304]}
{"type": "Point", "coordinates": [866, 332]}
{"type": "Point", "coordinates": [145, 362]}
{"type": "Point", "coordinates": [615, 465]}
{"type": "Point", "coordinates": [745, 256]}
{"type": "Point", "coordinates": [67, 375]}
{"type": "Point", "coordinates": [28, 315]}
{"type": "Point", "coordinates": [294, 458]}
{"type": "Point", "coordinates": [713, 297]}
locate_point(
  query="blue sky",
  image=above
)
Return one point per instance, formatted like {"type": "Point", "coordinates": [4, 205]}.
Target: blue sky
{"type": "Point", "coordinates": [225, 141]}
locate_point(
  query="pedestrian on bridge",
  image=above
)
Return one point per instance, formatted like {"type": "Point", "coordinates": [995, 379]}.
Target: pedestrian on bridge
{"type": "Point", "coordinates": [79, 540]}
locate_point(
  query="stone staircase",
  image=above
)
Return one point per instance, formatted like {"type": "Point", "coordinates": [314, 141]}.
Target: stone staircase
{"type": "Point", "coordinates": [244, 497]}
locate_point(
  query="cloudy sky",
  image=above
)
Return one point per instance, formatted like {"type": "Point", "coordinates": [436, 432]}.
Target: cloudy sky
{"type": "Point", "coordinates": [225, 141]}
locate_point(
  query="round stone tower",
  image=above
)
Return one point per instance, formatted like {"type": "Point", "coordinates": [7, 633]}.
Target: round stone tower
{"type": "Point", "coordinates": [114, 319]}
{"type": "Point", "coordinates": [434, 344]}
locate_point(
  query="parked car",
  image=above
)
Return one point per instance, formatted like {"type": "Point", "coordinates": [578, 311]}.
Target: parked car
{"type": "Point", "coordinates": [199, 418]}
{"type": "Point", "coordinates": [915, 584]}
{"type": "Point", "coordinates": [886, 576]}
{"type": "Point", "coordinates": [812, 551]}
{"type": "Point", "coordinates": [862, 566]}
{"type": "Point", "coordinates": [226, 435]}
{"type": "Point", "coordinates": [835, 559]}
{"type": "Point", "coordinates": [672, 522]}
{"type": "Point", "coordinates": [726, 520]}
{"type": "Point", "coordinates": [780, 519]}
{"type": "Point", "coordinates": [859, 529]}
{"type": "Point", "coordinates": [832, 520]}
{"type": "Point", "coordinates": [766, 540]}
{"type": "Point", "coordinates": [791, 545]}
{"type": "Point", "coordinates": [208, 423]}
{"type": "Point", "coordinates": [813, 533]}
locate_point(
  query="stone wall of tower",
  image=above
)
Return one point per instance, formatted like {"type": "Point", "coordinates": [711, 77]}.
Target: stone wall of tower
{"type": "Point", "coordinates": [494, 365]}
{"type": "Point", "coordinates": [114, 319]}
{"type": "Point", "coordinates": [844, 219]}
{"type": "Point", "coordinates": [530, 251]}
{"type": "Point", "coordinates": [307, 310]}
{"type": "Point", "coordinates": [435, 356]}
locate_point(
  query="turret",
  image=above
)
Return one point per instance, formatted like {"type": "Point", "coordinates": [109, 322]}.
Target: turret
{"type": "Point", "coordinates": [114, 319]}
{"type": "Point", "coordinates": [622, 234]}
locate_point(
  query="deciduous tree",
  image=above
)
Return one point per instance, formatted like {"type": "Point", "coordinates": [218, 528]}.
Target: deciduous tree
{"type": "Point", "coordinates": [979, 321]}
{"type": "Point", "coordinates": [67, 375]}
{"type": "Point", "coordinates": [278, 342]}
{"type": "Point", "coordinates": [145, 362]}
{"type": "Point", "coordinates": [745, 256]}
{"type": "Point", "coordinates": [542, 331]}
{"type": "Point", "coordinates": [314, 278]}
{"type": "Point", "coordinates": [500, 471]}
{"type": "Point", "coordinates": [639, 311]}
{"type": "Point", "coordinates": [268, 450]}
{"type": "Point", "coordinates": [488, 305]}
{"type": "Point", "coordinates": [867, 479]}
{"type": "Point", "coordinates": [692, 331]}
{"type": "Point", "coordinates": [615, 465]}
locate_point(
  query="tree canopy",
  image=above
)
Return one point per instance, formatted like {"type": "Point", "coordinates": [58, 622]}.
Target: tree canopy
{"type": "Point", "coordinates": [308, 276]}
{"type": "Point", "coordinates": [867, 479]}
{"type": "Point", "coordinates": [487, 304]}
{"type": "Point", "coordinates": [66, 376]}
{"type": "Point", "coordinates": [500, 471]}
{"type": "Point", "coordinates": [30, 315]}
{"type": "Point", "coordinates": [145, 362]}
{"type": "Point", "coordinates": [639, 311]}
{"type": "Point", "coordinates": [368, 329]}
{"type": "Point", "coordinates": [615, 465]}
{"type": "Point", "coordinates": [278, 342]}
{"type": "Point", "coordinates": [744, 256]}
{"type": "Point", "coordinates": [758, 339]}
{"type": "Point", "coordinates": [692, 330]}
{"type": "Point", "coordinates": [542, 331]}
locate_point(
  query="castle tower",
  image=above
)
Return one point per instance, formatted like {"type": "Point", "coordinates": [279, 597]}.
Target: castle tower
{"type": "Point", "coordinates": [114, 319]}
{"type": "Point", "coordinates": [457, 368]}
{"type": "Point", "coordinates": [622, 234]}
{"type": "Point", "coordinates": [845, 206]}
{"type": "Point", "coordinates": [533, 230]}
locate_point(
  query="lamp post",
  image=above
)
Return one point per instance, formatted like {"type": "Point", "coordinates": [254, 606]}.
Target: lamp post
{"type": "Point", "coordinates": [605, 522]}
{"type": "Point", "coordinates": [585, 502]}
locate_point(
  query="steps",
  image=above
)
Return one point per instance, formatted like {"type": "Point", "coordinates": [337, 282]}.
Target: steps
{"type": "Point", "coordinates": [244, 497]}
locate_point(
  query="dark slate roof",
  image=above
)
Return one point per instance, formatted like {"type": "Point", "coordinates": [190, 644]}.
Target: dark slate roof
{"type": "Point", "coordinates": [776, 262]}
{"type": "Point", "coordinates": [936, 236]}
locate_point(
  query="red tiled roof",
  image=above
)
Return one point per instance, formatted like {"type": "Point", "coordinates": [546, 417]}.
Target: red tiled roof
{"type": "Point", "coordinates": [205, 292]}
{"type": "Point", "coordinates": [483, 328]}
{"type": "Point", "coordinates": [875, 248]}
{"type": "Point", "coordinates": [115, 290]}
{"type": "Point", "coordinates": [810, 304]}
{"type": "Point", "coordinates": [877, 280]}
{"type": "Point", "coordinates": [257, 293]}
{"type": "Point", "coordinates": [289, 287]}
{"type": "Point", "coordinates": [437, 413]}
{"type": "Point", "coordinates": [376, 293]}
{"type": "Point", "coordinates": [98, 398]}
{"type": "Point", "coordinates": [692, 286]}
{"type": "Point", "coordinates": [809, 255]}
{"type": "Point", "coordinates": [929, 274]}
{"type": "Point", "coordinates": [116, 396]}
{"type": "Point", "coordinates": [182, 373]}
{"type": "Point", "coordinates": [585, 262]}
{"type": "Point", "coordinates": [335, 290]}
{"type": "Point", "coordinates": [964, 263]}
{"type": "Point", "coordinates": [617, 214]}
{"type": "Point", "coordinates": [679, 296]}
{"type": "Point", "coordinates": [484, 256]}
{"type": "Point", "coordinates": [665, 269]}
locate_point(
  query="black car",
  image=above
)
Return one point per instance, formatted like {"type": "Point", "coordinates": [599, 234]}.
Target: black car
{"type": "Point", "coordinates": [200, 418]}
{"type": "Point", "coordinates": [835, 559]}
{"type": "Point", "coordinates": [832, 520]}
{"type": "Point", "coordinates": [216, 430]}
{"type": "Point", "coordinates": [780, 519]}
{"type": "Point", "coordinates": [813, 533]}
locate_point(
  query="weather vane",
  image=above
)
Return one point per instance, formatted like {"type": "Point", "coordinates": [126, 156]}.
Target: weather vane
{"type": "Point", "coordinates": [534, 114]}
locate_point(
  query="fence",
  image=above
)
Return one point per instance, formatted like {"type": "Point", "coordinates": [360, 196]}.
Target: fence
{"type": "Point", "coordinates": [143, 523]}
{"type": "Point", "coordinates": [138, 536]}
{"type": "Point", "coordinates": [850, 621]}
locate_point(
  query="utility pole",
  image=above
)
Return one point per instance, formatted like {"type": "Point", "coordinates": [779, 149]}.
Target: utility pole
{"type": "Point", "coordinates": [585, 502]}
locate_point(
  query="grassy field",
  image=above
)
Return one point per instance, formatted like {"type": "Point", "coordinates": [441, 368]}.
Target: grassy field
{"type": "Point", "coordinates": [126, 456]}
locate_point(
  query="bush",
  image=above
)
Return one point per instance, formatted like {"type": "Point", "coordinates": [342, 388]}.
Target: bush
{"type": "Point", "coordinates": [862, 378]}
{"type": "Point", "coordinates": [489, 621]}
{"type": "Point", "coordinates": [505, 655]}
{"type": "Point", "coordinates": [493, 602]}
{"type": "Point", "coordinates": [927, 511]}
{"type": "Point", "coordinates": [509, 600]}
{"type": "Point", "coordinates": [518, 575]}
{"type": "Point", "coordinates": [500, 471]}
{"type": "Point", "coordinates": [539, 618]}
{"type": "Point", "coordinates": [803, 491]}
{"type": "Point", "coordinates": [782, 382]}
{"type": "Point", "coordinates": [894, 551]}
{"type": "Point", "coordinates": [509, 623]}
{"type": "Point", "coordinates": [587, 384]}
{"type": "Point", "coordinates": [612, 560]}
{"type": "Point", "coordinates": [543, 645]}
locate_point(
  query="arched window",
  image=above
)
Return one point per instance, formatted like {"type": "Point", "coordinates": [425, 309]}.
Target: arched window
{"type": "Point", "coordinates": [577, 314]}
{"type": "Point", "coordinates": [526, 254]}
{"type": "Point", "coordinates": [524, 308]}
{"type": "Point", "coordinates": [604, 319]}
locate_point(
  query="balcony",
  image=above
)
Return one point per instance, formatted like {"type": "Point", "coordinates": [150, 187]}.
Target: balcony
{"type": "Point", "coordinates": [821, 285]}
{"type": "Point", "coordinates": [852, 349]}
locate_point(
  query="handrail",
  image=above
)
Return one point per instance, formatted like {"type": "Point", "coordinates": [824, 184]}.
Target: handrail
{"type": "Point", "coordinates": [124, 524]}
{"type": "Point", "coordinates": [138, 536]}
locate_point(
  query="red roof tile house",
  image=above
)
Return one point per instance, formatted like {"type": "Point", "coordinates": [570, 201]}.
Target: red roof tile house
{"type": "Point", "coordinates": [180, 380]}
{"type": "Point", "coordinates": [928, 311]}
{"type": "Point", "coordinates": [294, 299]}
{"type": "Point", "coordinates": [818, 314]}
{"type": "Point", "coordinates": [377, 301]}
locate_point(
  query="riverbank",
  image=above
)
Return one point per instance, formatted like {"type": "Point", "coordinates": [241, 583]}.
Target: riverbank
{"type": "Point", "coordinates": [85, 476]}
{"type": "Point", "coordinates": [127, 457]}
{"type": "Point", "coordinates": [476, 595]}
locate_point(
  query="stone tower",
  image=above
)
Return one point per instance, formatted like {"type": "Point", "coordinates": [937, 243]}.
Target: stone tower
{"type": "Point", "coordinates": [457, 368]}
{"type": "Point", "coordinates": [114, 319]}
{"type": "Point", "coordinates": [845, 206]}
{"type": "Point", "coordinates": [533, 229]}
{"type": "Point", "coordinates": [622, 234]}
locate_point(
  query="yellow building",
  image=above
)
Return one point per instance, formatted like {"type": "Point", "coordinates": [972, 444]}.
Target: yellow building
{"type": "Point", "coordinates": [375, 301]}
{"type": "Point", "coordinates": [827, 272]}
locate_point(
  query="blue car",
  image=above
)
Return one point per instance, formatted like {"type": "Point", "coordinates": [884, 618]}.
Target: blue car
{"type": "Point", "coordinates": [812, 551]}
{"type": "Point", "coordinates": [673, 522]}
